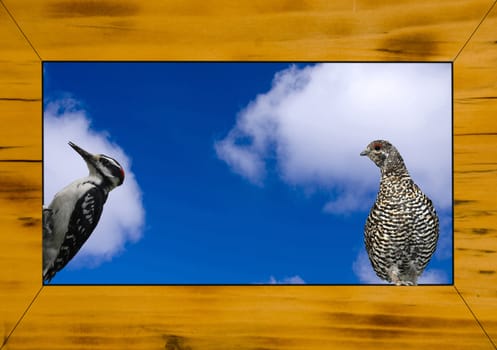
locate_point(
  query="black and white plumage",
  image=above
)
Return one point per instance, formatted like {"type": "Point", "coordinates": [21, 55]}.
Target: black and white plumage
{"type": "Point", "coordinates": [402, 228]}
{"type": "Point", "coordinates": [75, 211]}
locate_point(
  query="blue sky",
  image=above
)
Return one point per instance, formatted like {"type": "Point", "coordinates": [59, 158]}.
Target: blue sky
{"type": "Point", "coordinates": [242, 173]}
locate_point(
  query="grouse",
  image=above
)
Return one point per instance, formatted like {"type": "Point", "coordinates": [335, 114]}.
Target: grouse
{"type": "Point", "coordinates": [401, 231]}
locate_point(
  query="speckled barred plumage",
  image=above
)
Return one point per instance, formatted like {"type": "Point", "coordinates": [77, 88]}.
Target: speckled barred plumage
{"type": "Point", "coordinates": [401, 231]}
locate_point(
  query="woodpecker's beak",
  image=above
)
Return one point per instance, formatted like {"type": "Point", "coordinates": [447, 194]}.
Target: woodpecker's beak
{"type": "Point", "coordinates": [365, 152]}
{"type": "Point", "coordinates": [88, 157]}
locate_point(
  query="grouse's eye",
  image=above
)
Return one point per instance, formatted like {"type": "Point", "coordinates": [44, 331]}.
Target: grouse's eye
{"type": "Point", "coordinates": [377, 147]}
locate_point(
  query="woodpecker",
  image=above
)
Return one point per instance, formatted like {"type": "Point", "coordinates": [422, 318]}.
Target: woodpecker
{"type": "Point", "coordinates": [75, 211]}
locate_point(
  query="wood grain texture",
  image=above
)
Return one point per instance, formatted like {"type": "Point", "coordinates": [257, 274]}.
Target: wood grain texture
{"type": "Point", "coordinates": [20, 173]}
{"type": "Point", "coordinates": [257, 317]}
{"type": "Point", "coordinates": [248, 30]}
{"type": "Point", "coordinates": [475, 173]}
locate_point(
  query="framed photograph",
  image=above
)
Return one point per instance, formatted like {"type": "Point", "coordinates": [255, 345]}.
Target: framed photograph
{"type": "Point", "coordinates": [261, 184]}
{"type": "Point", "coordinates": [235, 222]}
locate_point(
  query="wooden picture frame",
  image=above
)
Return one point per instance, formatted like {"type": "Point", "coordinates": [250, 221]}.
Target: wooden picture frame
{"type": "Point", "coordinates": [463, 315]}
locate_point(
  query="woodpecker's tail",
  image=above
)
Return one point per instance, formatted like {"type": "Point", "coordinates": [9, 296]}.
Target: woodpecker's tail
{"type": "Point", "coordinates": [47, 222]}
{"type": "Point", "coordinates": [47, 233]}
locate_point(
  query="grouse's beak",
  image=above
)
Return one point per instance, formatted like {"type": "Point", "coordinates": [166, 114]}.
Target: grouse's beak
{"type": "Point", "coordinates": [86, 155]}
{"type": "Point", "coordinates": [365, 152]}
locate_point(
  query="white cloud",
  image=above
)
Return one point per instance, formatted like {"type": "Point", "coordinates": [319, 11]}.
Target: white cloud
{"type": "Point", "coordinates": [433, 276]}
{"type": "Point", "coordinates": [364, 271]}
{"type": "Point", "coordinates": [242, 160]}
{"type": "Point", "coordinates": [314, 122]}
{"type": "Point", "coordinates": [348, 202]}
{"type": "Point", "coordinates": [123, 216]}
{"type": "Point", "coordinates": [286, 280]}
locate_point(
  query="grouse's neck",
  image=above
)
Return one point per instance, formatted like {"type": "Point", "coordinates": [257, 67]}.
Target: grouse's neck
{"type": "Point", "coordinates": [394, 166]}
{"type": "Point", "coordinates": [395, 181]}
